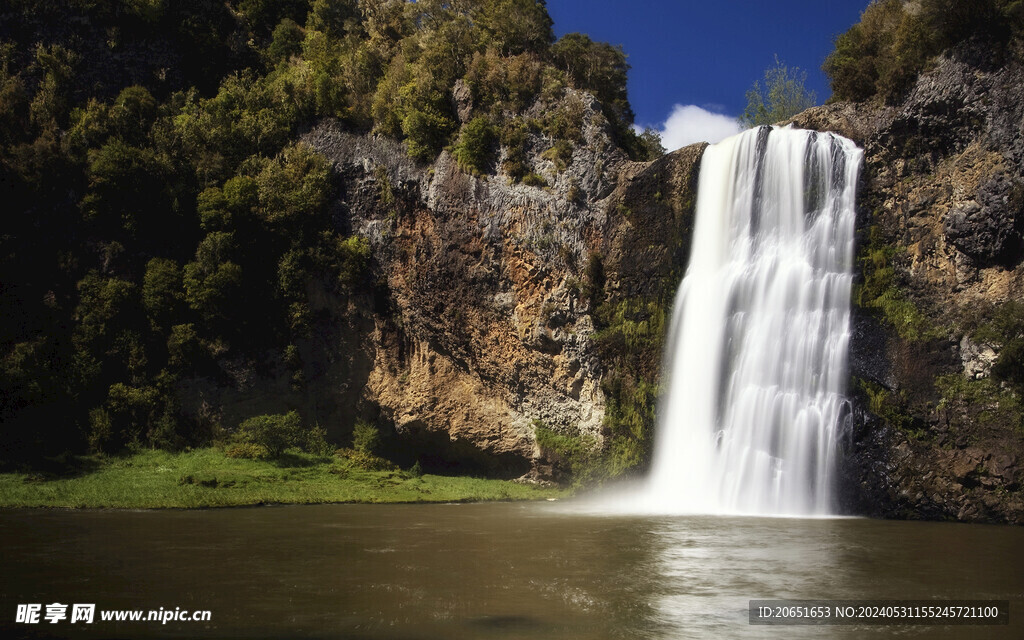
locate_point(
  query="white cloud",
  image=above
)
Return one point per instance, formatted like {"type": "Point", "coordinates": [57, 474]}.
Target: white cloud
{"type": "Point", "coordinates": [689, 123]}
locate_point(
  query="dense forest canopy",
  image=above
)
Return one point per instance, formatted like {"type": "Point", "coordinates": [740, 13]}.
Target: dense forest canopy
{"type": "Point", "coordinates": [160, 215]}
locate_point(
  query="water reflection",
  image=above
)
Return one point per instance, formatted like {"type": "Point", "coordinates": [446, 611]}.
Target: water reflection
{"type": "Point", "coordinates": [488, 571]}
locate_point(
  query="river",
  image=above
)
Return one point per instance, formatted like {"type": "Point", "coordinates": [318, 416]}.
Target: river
{"type": "Point", "coordinates": [497, 570]}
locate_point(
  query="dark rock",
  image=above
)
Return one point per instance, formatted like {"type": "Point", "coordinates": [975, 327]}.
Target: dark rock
{"type": "Point", "coordinates": [988, 228]}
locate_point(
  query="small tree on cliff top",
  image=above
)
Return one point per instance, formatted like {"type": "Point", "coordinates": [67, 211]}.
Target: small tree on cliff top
{"type": "Point", "coordinates": [782, 96]}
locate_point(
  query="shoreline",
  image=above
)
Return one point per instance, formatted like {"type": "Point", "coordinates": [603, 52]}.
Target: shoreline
{"type": "Point", "coordinates": [208, 479]}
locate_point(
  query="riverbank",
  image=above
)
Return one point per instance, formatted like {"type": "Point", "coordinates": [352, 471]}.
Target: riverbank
{"type": "Point", "coordinates": [207, 478]}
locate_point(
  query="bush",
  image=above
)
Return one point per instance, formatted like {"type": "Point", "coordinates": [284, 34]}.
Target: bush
{"type": "Point", "coordinates": [247, 450]}
{"type": "Point", "coordinates": [316, 442]}
{"type": "Point", "coordinates": [366, 437]}
{"type": "Point", "coordinates": [286, 41]}
{"type": "Point", "coordinates": [475, 150]}
{"type": "Point", "coordinates": [365, 460]}
{"type": "Point", "coordinates": [275, 432]}
{"type": "Point", "coordinates": [426, 131]}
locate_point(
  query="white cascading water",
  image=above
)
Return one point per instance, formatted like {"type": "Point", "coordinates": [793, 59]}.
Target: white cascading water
{"type": "Point", "coordinates": [756, 357]}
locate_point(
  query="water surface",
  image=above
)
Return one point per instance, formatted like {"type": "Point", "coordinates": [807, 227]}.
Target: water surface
{"type": "Point", "coordinates": [488, 571]}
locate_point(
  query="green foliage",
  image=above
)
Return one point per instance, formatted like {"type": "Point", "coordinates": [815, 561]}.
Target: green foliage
{"type": "Point", "coordinates": [648, 145]}
{"type": "Point", "coordinates": [593, 285]}
{"type": "Point", "coordinates": [275, 432]}
{"type": "Point", "coordinates": [890, 407]}
{"type": "Point", "coordinates": [183, 347]}
{"type": "Point", "coordinates": [1009, 366]}
{"type": "Point", "coordinates": [174, 223]}
{"type": "Point", "coordinates": [560, 154]}
{"type": "Point", "coordinates": [316, 442]}
{"type": "Point", "coordinates": [579, 454]}
{"type": "Point", "coordinates": [161, 291]}
{"type": "Point", "coordinates": [248, 451]}
{"type": "Point", "coordinates": [293, 186]}
{"type": "Point", "coordinates": [1002, 324]}
{"type": "Point", "coordinates": [533, 179]}
{"type": "Point", "coordinates": [475, 150]}
{"type": "Point", "coordinates": [336, 18]}
{"type": "Point", "coordinates": [781, 97]}
{"type": "Point", "coordinates": [881, 291]}
{"type": "Point", "coordinates": [349, 259]}
{"type": "Point", "coordinates": [208, 477]}
{"type": "Point", "coordinates": [1004, 327]}
{"type": "Point", "coordinates": [126, 417]}
{"type": "Point", "coordinates": [366, 460]}
{"type": "Point", "coordinates": [984, 401]}
{"type": "Point", "coordinates": [597, 67]}
{"type": "Point", "coordinates": [513, 139]}
{"type": "Point", "coordinates": [629, 420]}
{"type": "Point", "coordinates": [123, 182]}
{"type": "Point", "coordinates": [426, 129]}
{"type": "Point", "coordinates": [286, 41]}
{"type": "Point", "coordinates": [366, 437]}
{"type": "Point", "coordinates": [515, 26]}
{"type": "Point", "coordinates": [633, 325]}
{"type": "Point", "coordinates": [212, 281]}
{"type": "Point", "coordinates": [882, 55]}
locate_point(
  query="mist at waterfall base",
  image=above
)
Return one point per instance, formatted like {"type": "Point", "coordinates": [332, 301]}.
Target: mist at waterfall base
{"type": "Point", "coordinates": [753, 402]}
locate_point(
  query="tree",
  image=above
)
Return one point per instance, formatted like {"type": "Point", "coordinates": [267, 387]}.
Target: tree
{"type": "Point", "coordinates": [783, 96]}
{"type": "Point", "coordinates": [273, 432]}
{"type": "Point", "coordinates": [597, 67]}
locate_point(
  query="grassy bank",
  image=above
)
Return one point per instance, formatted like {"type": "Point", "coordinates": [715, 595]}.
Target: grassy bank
{"type": "Point", "coordinates": [208, 478]}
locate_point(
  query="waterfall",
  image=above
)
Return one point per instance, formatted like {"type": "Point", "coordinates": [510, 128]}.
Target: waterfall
{"type": "Point", "coordinates": [756, 355]}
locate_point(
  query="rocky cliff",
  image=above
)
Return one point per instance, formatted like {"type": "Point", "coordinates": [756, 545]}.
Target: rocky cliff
{"type": "Point", "coordinates": [516, 329]}
{"type": "Point", "coordinates": [938, 430]}
{"type": "Point", "coordinates": [497, 309]}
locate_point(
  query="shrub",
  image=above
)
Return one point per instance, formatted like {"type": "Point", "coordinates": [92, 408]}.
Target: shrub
{"type": "Point", "coordinates": [316, 442]}
{"type": "Point", "coordinates": [286, 41]}
{"type": "Point", "coordinates": [560, 154]}
{"type": "Point", "coordinates": [247, 450]}
{"type": "Point", "coordinates": [365, 460]}
{"type": "Point", "coordinates": [513, 139]}
{"type": "Point", "coordinates": [366, 437]}
{"type": "Point", "coordinates": [475, 150]}
{"type": "Point", "coordinates": [273, 432]}
{"type": "Point", "coordinates": [426, 131]}
{"type": "Point", "coordinates": [534, 180]}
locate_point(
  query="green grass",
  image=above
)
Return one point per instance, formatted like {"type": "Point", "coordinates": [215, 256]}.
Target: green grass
{"type": "Point", "coordinates": [207, 478]}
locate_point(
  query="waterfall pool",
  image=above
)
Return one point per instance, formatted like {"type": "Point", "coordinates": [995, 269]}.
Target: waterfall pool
{"type": "Point", "coordinates": [490, 570]}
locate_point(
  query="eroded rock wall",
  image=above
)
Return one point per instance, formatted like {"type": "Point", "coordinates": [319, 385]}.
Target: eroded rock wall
{"type": "Point", "coordinates": [935, 435]}
{"type": "Point", "coordinates": [484, 321]}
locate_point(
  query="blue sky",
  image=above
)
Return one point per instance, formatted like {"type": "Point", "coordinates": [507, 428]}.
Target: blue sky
{"type": "Point", "coordinates": [693, 62]}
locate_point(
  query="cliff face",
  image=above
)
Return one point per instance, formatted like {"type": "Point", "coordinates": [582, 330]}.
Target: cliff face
{"type": "Point", "coordinates": [937, 435]}
{"type": "Point", "coordinates": [480, 327]}
{"type": "Point", "coordinates": [498, 310]}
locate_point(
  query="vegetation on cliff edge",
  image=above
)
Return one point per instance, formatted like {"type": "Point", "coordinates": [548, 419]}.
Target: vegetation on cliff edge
{"type": "Point", "coordinates": [165, 226]}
